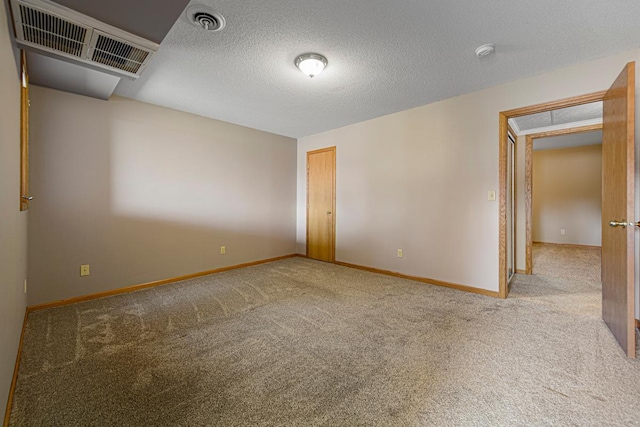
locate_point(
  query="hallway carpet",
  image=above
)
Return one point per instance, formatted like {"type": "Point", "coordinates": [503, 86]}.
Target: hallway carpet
{"type": "Point", "coordinates": [305, 343]}
{"type": "Point", "coordinates": [574, 263]}
{"type": "Point", "coordinates": [565, 278]}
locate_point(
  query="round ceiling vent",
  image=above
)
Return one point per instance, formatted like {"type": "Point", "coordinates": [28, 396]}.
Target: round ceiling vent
{"type": "Point", "coordinates": [205, 17]}
{"type": "Point", "coordinates": [485, 50]}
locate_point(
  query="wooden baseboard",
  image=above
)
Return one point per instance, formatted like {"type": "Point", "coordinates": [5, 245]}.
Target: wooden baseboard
{"type": "Point", "coordinates": [569, 245]}
{"type": "Point", "coordinates": [150, 284]}
{"type": "Point", "coordinates": [16, 369]}
{"type": "Point", "coordinates": [464, 288]}
{"type": "Point", "coordinates": [521, 271]}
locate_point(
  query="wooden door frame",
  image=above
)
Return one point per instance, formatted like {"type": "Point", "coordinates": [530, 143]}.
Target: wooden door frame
{"type": "Point", "coordinates": [24, 132]}
{"type": "Point", "coordinates": [515, 199]}
{"type": "Point", "coordinates": [528, 183]}
{"type": "Point", "coordinates": [503, 120]}
{"type": "Point", "coordinates": [333, 201]}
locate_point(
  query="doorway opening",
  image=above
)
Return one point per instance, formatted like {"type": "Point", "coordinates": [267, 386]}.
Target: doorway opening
{"type": "Point", "coordinates": [563, 199]}
{"type": "Point", "coordinates": [568, 201]}
{"type": "Point", "coordinates": [560, 193]}
{"type": "Point", "coordinates": [618, 200]}
{"type": "Point", "coordinates": [506, 121]}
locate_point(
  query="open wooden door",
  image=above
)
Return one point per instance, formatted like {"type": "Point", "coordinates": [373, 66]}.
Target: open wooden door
{"type": "Point", "coordinates": [321, 200]}
{"type": "Point", "coordinates": [618, 209]}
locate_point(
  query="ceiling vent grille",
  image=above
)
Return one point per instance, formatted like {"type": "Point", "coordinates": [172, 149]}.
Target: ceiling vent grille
{"type": "Point", "coordinates": [117, 54]}
{"type": "Point", "coordinates": [53, 29]}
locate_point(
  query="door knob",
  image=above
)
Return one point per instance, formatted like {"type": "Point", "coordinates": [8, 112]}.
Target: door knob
{"type": "Point", "coordinates": [622, 224]}
{"type": "Point", "coordinates": [328, 212]}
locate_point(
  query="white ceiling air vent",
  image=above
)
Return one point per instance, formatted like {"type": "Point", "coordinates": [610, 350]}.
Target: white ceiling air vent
{"type": "Point", "coordinates": [204, 17]}
{"type": "Point", "coordinates": [117, 53]}
{"type": "Point", "coordinates": [57, 31]}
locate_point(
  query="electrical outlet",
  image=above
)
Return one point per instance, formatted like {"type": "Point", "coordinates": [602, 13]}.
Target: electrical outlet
{"type": "Point", "coordinates": [84, 270]}
{"type": "Point", "coordinates": [562, 231]}
{"type": "Point", "coordinates": [25, 286]}
{"type": "Point", "coordinates": [223, 250]}
{"type": "Point", "coordinates": [399, 253]}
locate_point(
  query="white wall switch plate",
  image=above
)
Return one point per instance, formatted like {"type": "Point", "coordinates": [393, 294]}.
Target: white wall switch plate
{"type": "Point", "coordinates": [399, 253]}
{"type": "Point", "coordinates": [491, 196]}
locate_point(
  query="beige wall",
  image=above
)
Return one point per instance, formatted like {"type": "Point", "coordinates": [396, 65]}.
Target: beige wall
{"type": "Point", "coordinates": [418, 179]}
{"type": "Point", "coordinates": [567, 194]}
{"type": "Point", "coordinates": [13, 223]}
{"type": "Point", "coordinates": [143, 193]}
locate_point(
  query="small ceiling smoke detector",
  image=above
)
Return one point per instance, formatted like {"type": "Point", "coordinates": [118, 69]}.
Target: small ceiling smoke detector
{"type": "Point", "coordinates": [205, 17]}
{"type": "Point", "coordinates": [311, 64]}
{"type": "Point", "coordinates": [485, 50]}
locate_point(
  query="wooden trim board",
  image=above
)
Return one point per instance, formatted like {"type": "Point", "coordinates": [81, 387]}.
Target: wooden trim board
{"type": "Point", "coordinates": [528, 204]}
{"type": "Point", "coordinates": [151, 284]}
{"type": "Point", "coordinates": [421, 279]}
{"type": "Point", "coordinates": [16, 369]}
{"type": "Point", "coordinates": [515, 206]}
{"type": "Point", "coordinates": [637, 323]}
{"type": "Point", "coordinates": [503, 286]}
{"type": "Point", "coordinates": [555, 105]}
{"type": "Point", "coordinates": [24, 132]}
{"type": "Point", "coordinates": [464, 288]}
{"type": "Point", "coordinates": [503, 118]}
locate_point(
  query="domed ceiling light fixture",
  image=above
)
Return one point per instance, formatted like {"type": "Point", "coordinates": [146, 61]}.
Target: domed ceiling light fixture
{"type": "Point", "coordinates": [311, 64]}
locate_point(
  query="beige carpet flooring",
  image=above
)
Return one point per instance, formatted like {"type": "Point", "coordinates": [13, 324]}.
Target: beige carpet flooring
{"type": "Point", "coordinates": [304, 343]}
{"type": "Point", "coordinates": [574, 263]}
{"type": "Point", "coordinates": [565, 278]}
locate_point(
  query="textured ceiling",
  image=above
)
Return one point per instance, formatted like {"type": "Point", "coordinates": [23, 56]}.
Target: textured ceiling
{"type": "Point", "coordinates": [562, 116]}
{"type": "Point", "coordinates": [567, 141]}
{"type": "Point", "coordinates": [384, 56]}
{"type": "Point", "coordinates": [561, 119]}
